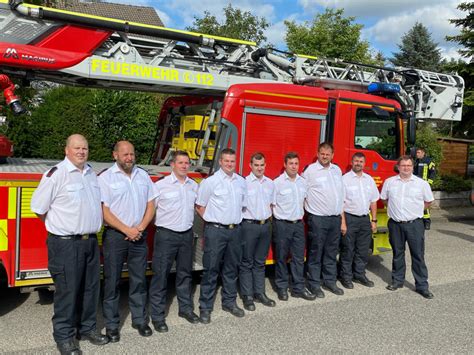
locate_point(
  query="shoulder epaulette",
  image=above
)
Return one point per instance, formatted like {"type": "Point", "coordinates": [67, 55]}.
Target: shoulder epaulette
{"type": "Point", "coordinates": [102, 172]}
{"type": "Point", "coordinates": [51, 171]}
{"type": "Point", "coordinates": [161, 177]}
{"type": "Point", "coordinates": [306, 167]}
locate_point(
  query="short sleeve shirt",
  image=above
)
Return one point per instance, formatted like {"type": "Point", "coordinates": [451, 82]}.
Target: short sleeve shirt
{"type": "Point", "coordinates": [224, 198]}
{"type": "Point", "coordinates": [289, 197]}
{"type": "Point", "coordinates": [260, 195]}
{"type": "Point", "coordinates": [360, 192]}
{"type": "Point", "coordinates": [406, 198]}
{"type": "Point", "coordinates": [71, 200]}
{"type": "Point", "coordinates": [325, 190]}
{"type": "Point", "coordinates": [175, 203]}
{"type": "Point", "coordinates": [125, 196]}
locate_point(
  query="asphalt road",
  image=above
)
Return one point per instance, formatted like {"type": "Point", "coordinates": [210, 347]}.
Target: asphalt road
{"type": "Point", "coordinates": [362, 321]}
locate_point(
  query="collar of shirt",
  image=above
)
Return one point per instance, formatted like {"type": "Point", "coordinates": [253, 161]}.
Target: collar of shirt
{"type": "Point", "coordinates": [116, 169]}
{"type": "Point", "coordinates": [220, 173]}
{"type": "Point", "coordinates": [318, 166]}
{"type": "Point", "coordinates": [252, 178]}
{"type": "Point", "coordinates": [175, 180]}
{"type": "Point", "coordinates": [353, 174]}
{"type": "Point", "coordinates": [71, 167]}
{"type": "Point", "coordinates": [288, 178]}
{"type": "Point", "coordinates": [412, 177]}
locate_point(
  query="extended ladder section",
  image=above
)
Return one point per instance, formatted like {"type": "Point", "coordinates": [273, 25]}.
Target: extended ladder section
{"type": "Point", "coordinates": [141, 57]}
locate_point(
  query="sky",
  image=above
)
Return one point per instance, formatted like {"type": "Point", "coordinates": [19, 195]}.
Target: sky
{"type": "Point", "coordinates": [385, 21]}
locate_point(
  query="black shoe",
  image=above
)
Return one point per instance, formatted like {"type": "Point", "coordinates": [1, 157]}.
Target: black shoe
{"type": "Point", "coordinates": [205, 317]}
{"type": "Point", "coordinates": [143, 329]}
{"type": "Point", "coordinates": [234, 310]}
{"type": "Point", "coordinates": [160, 326]}
{"type": "Point", "coordinates": [282, 295]}
{"type": "Point", "coordinates": [364, 281]}
{"type": "Point", "coordinates": [248, 303]}
{"type": "Point", "coordinates": [113, 334]}
{"type": "Point", "coordinates": [191, 317]}
{"type": "Point", "coordinates": [427, 223]}
{"type": "Point", "coordinates": [425, 293]}
{"type": "Point", "coordinates": [305, 294]}
{"type": "Point", "coordinates": [394, 287]}
{"type": "Point", "coordinates": [317, 291]}
{"type": "Point", "coordinates": [263, 299]}
{"type": "Point", "coordinates": [69, 348]}
{"type": "Point", "coordinates": [94, 337]}
{"type": "Point", "coordinates": [347, 284]}
{"type": "Point", "coordinates": [334, 289]}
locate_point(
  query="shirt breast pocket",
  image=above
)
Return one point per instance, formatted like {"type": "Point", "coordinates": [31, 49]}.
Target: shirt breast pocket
{"type": "Point", "coordinates": [285, 195]}
{"type": "Point", "coordinates": [351, 191]}
{"type": "Point", "coordinates": [171, 198]}
{"type": "Point", "coordinates": [221, 196]}
{"type": "Point", "coordinates": [268, 195]}
{"type": "Point", "coordinates": [75, 191]}
{"type": "Point", "coordinates": [118, 188]}
{"type": "Point", "coordinates": [320, 181]}
{"type": "Point", "coordinates": [416, 194]}
{"type": "Point", "coordinates": [191, 195]}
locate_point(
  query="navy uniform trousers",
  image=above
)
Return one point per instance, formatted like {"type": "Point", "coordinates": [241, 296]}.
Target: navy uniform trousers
{"type": "Point", "coordinates": [324, 236]}
{"type": "Point", "coordinates": [116, 251]}
{"type": "Point", "coordinates": [256, 243]}
{"type": "Point", "coordinates": [355, 247]}
{"type": "Point", "coordinates": [222, 246]}
{"type": "Point", "coordinates": [413, 234]}
{"type": "Point", "coordinates": [288, 237]}
{"type": "Point", "coordinates": [75, 268]}
{"type": "Point", "coordinates": [168, 247]}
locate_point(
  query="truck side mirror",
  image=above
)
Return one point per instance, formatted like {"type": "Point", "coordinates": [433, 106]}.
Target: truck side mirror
{"type": "Point", "coordinates": [411, 133]}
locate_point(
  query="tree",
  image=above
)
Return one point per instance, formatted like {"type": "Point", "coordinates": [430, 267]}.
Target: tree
{"type": "Point", "coordinates": [466, 37]}
{"type": "Point", "coordinates": [418, 50]}
{"type": "Point", "coordinates": [465, 128]}
{"type": "Point", "coordinates": [102, 116]}
{"type": "Point", "coordinates": [329, 35]}
{"type": "Point", "coordinates": [238, 24]}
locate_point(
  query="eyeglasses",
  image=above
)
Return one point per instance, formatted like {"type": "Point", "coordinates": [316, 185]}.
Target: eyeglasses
{"type": "Point", "coordinates": [406, 166]}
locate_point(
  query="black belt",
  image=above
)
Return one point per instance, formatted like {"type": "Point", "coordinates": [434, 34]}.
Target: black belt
{"type": "Point", "coordinates": [74, 236]}
{"type": "Point", "coordinates": [406, 222]}
{"type": "Point", "coordinates": [257, 221]}
{"type": "Point", "coordinates": [287, 221]}
{"type": "Point", "coordinates": [170, 230]}
{"type": "Point", "coordinates": [225, 226]}
{"type": "Point", "coordinates": [354, 215]}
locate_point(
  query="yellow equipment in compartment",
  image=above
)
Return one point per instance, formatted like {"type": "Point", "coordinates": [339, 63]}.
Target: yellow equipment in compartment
{"type": "Point", "coordinates": [191, 136]}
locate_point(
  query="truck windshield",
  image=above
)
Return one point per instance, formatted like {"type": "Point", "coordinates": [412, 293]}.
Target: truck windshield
{"type": "Point", "coordinates": [377, 133]}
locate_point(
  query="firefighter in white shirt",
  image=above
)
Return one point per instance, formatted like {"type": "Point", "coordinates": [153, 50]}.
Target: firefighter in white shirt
{"type": "Point", "coordinates": [176, 195]}
{"type": "Point", "coordinates": [357, 228]}
{"type": "Point", "coordinates": [324, 207]}
{"type": "Point", "coordinates": [68, 201]}
{"type": "Point", "coordinates": [221, 198]}
{"type": "Point", "coordinates": [288, 230]}
{"type": "Point", "coordinates": [127, 201]}
{"type": "Point", "coordinates": [407, 196]}
{"type": "Point", "coordinates": [256, 234]}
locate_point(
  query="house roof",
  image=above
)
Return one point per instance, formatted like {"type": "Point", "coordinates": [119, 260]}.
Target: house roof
{"type": "Point", "coordinates": [132, 13]}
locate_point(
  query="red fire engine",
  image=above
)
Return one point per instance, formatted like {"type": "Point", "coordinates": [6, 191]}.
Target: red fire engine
{"type": "Point", "coordinates": [235, 95]}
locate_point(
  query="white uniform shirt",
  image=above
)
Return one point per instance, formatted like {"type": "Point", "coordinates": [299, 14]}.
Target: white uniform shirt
{"type": "Point", "coordinates": [175, 203]}
{"type": "Point", "coordinates": [361, 191]}
{"type": "Point", "coordinates": [406, 198]}
{"type": "Point", "coordinates": [259, 197]}
{"type": "Point", "coordinates": [126, 197]}
{"type": "Point", "coordinates": [71, 199]}
{"type": "Point", "coordinates": [325, 190]}
{"type": "Point", "coordinates": [224, 198]}
{"type": "Point", "coordinates": [289, 197]}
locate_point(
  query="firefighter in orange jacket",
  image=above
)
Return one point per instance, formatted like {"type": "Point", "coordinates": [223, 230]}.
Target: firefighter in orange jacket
{"type": "Point", "coordinates": [425, 169]}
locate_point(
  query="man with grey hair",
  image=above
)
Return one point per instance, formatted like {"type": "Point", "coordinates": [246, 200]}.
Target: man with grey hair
{"type": "Point", "coordinates": [68, 201]}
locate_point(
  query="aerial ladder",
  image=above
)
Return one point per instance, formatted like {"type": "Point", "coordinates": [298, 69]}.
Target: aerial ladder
{"type": "Point", "coordinates": [40, 43]}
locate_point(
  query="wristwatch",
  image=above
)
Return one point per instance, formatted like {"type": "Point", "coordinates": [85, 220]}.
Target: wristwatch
{"type": "Point", "coordinates": [374, 220]}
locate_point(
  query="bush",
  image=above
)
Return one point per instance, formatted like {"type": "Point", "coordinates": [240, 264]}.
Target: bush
{"type": "Point", "coordinates": [427, 138]}
{"type": "Point", "coordinates": [451, 183]}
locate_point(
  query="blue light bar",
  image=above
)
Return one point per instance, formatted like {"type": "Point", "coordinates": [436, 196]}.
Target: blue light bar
{"type": "Point", "coordinates": [383, 88]}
